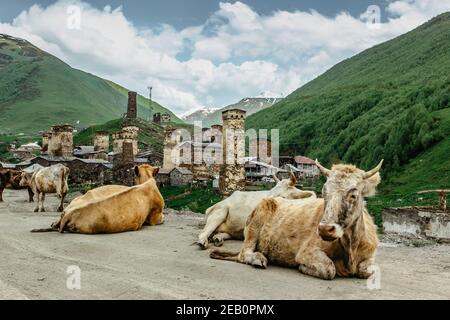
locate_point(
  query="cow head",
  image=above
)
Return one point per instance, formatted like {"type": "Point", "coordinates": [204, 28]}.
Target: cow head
{"type": "Point", "coordinates": [25, 179]}
{"type": "Point", "coordinates": [286, 188]}
{"type": "Point", "coordinates": [144, 173]}
{"type": "Point", "coordinates": [344, 194]}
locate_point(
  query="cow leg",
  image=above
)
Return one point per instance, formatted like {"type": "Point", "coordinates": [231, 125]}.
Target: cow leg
{"type": "Point", "coordinates": [30, 195]}
{"type": "Point", "coordinates": [219, 238]}
{"type": "Point", "coordinates": [214, 220]}
{"type": "Point", "coordinates": [61, 206]}
{"type": "Point", "coordinates": [366, 269]}
{"type": "Point", "coordinates": [38, 195]}
{"type": "Point", "coordinates": [156, 217]}
{"type": "Point", "coordinates": [1, 194]}
{"type": "Point", "coordinates": [247, 254]}
{"type": "Point", "coordinates": [316, 263]}
{"type": "Point", "coordinates": [42, 202]}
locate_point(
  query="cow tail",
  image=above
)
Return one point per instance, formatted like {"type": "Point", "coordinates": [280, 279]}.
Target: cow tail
{"type": "Point", "coordinates": [45, 230]}
{"type": "Point", "coordinates": [64, 220]}
{"type": "Point", "coordinates": [224, 255]}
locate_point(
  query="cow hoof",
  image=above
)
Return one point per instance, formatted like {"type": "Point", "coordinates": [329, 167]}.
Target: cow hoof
{"type": "Point", "coordinates": [42, 210]}
{"type": "Point", "coordinates": [36, 210]}
{"type": "Point", "coordinates": [60, 209]}
{"type": "Point", "coordinates": [218, 242]}
{"type": "Point", "coordinates": [203, 245]}
{"type": "Point", "coordinates": [259, 261]}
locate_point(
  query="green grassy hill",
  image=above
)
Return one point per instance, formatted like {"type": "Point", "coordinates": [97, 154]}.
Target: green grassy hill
{"type": "Point", "coordinates": [391, 101]}
{"type": "Point", "coordinates": [38, 90]}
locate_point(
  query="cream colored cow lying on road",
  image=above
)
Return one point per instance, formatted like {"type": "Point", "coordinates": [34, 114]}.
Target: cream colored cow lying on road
{"type": "Point", "coordinates": [226, 219]}
{"type": "Point", "coordinates": [321, 237]}
{"type": "Point", "coordinates": [111, 209]}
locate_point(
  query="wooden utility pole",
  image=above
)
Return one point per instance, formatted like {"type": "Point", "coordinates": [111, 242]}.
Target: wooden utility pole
{"type": "Point", "coordinates": [442, 197]}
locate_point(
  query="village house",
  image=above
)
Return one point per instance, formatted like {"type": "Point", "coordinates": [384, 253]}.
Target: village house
{"type": "Point", "coordinates": [256, 171]}
{"type": "Point", "coordinates": [163, 177]}
{"type": "Point", "coordinates": [89, 152]}
{"type": "Point", "coordinates": [302, 167]}
{"type": "Point", "coordinates": [181, 177]}
{"type": "Point", "coordinates": [81, 170]}
{"type": "Point", "coordinates": [26, 151]}
{"type": "Point", "coordinates": [307, 167]}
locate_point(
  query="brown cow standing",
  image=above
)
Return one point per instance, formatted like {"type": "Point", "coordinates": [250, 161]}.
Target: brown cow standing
{"type": "Point", "coordinates": [10, 179]}
{"type": "Point", "coordinates": [322, 237]}
{"type": "Point", "coordinates": [112, 209]}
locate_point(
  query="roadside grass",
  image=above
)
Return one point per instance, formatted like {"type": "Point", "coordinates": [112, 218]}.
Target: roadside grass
{"type": "Point", "coordinates": [195, 198]}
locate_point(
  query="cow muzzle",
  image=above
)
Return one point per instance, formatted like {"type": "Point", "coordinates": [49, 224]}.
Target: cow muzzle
{"type": "Point", "coordinates": [330, 232]}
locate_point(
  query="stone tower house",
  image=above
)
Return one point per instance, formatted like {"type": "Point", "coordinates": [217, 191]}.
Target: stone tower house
{"type": "Point", "coordinates": [61, 141]}
{"type": "Point", "coordinates": [132, 105]}
{"type": "Point", "coordinates": [232, 173]}
{"type": "Point", "coordinates": [128, 134]}
{"type": "Point", "coordinates": [45, 140]}
{"type": "Point", "coordinates": [171, 140]}
{"type": "Point", "coordinates": [101, 141]}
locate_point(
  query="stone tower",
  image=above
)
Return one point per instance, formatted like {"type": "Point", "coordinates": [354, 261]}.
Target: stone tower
{"type": "Point", "coordinates": [232, 173]}
{"type": "Point", "coordinates": [61, 141]}
{"type": "Point", "coordinates": [170, 142]}
{"type": "Point", "coordinates": [101, 141]}
{"type": "Point", "coordinates": [132, 105]}
{"type": "Point", "coordinates": [128, 134]}
{"type": "Point", "coordinates": [216, 133]}
{"type": "Point", "coordinates": [45, 140]}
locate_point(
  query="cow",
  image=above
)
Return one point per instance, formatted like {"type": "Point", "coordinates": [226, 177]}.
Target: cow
{"type": "Point", "coordinates": [321, 237]}
{"type": "Point", "coordinates": [10, 179]}
{"type": "Point", "coordinates": [226, 219]}
{"type": "Point", "coordinates": [112, 209]}
{"type": "Point", "coordinates": [48, 180]}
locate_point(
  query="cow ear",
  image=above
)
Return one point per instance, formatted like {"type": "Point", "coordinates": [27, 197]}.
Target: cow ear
{"type": "Point", "coordinates": [136, 171]}
{"type": "Point", "coordinates": [370, 184]}
{"type": "Point", "coordinates": [155, 171]}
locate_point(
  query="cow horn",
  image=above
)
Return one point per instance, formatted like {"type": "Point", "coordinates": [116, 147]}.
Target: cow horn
{"type": "Point", "coordinates": [293, 178]}
{"type": "Point", "coordinates": [275, 178]}
{"type": "Point", "coordinates": [370, 173]}
{"type": "Point", "coordinates": [322, 169]}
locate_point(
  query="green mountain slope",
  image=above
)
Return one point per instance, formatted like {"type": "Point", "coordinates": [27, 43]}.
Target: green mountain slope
{"type": "Point", "coordinates": [391, 101]}
{"type": "Point", "coordinates": [38, 90]}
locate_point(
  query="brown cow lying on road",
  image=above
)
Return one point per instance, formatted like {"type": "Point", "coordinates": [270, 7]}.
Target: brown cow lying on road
{"type": "Point", "coordinates": [10, 179]}
{"type": "Point", "coordinates": [47, 180]}
{"type": "Point", "coordinates": [112, 209]}
{"type": "Point", "coordinates": [322, 237]}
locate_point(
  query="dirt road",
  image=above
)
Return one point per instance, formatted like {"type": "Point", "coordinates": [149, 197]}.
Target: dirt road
{"type": "Point", "coordinates": [161, 263]}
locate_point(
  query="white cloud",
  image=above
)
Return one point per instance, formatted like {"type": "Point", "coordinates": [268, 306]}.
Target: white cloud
{"type": "Point", "coordinates": [235, 53]}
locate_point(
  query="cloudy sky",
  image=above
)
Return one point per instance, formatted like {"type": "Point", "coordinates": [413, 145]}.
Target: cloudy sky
{"type": "Point", "coordinates": [198, 53]}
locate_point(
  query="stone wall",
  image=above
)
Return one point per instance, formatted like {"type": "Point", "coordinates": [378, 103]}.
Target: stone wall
{"type": "Point", "coordinates": [418, 222]}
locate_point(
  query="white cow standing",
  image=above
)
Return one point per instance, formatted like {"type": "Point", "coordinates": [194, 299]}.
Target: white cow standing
{"type": "Point", "coordinates": [48, 180]}
{"type": "Point", "coordinates": [226, 219]}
